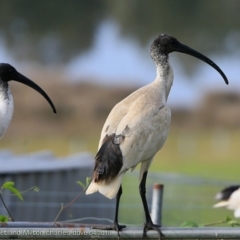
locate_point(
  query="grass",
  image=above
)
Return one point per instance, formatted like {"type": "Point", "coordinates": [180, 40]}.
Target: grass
{"type": "Point", "coordinates": [82, 109]}
{"type": "Point", "coordinates": [194, 154]}
{"type": "Point", "coordinates": [58, 145]}
{"type": "Point", "coordinates": [185, 199]}
{"type": "Point", "coordinates": [200, 153]}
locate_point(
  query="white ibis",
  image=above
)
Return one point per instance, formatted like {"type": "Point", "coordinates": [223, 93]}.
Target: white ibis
{"type": "Point", "coordinates": [137, 128]}
{"type": "Point", "coordinates": [8, 73]}
{"type": "Point", "coordinates": [230, 198]}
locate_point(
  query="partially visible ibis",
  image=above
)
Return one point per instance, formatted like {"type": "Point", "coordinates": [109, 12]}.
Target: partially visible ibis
{"type": "Point", "coordinates": [137, 128]}
{"type": "Point", "coordinates": [229, 197]}
{"type": "Point", "coordinates": [9, 73]}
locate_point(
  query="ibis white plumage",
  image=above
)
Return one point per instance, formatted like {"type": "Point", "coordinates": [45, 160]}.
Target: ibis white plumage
{"type": "Point", "coordinates": [8, 73]}
{"type": "Point", "coordinates": [137, 128]}
{"type": "Point", "coordinates": [230, 198]}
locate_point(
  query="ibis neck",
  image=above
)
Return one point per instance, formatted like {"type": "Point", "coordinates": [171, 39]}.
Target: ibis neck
{"type": "Point", "coordinates": [4, 89]}
{"type": "Point", "coordinates": [164, 77]}
{"type": "Point", "coordinates": [6, 107]}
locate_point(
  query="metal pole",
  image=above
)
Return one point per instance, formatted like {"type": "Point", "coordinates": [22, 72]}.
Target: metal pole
{"type": "Point", "coordinates": [157, 197]}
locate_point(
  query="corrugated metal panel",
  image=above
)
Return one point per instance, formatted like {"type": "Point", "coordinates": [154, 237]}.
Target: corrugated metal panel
{"type": "Point", "coordinates": [56, 178]}
{"type": "Point", "coordinates": [185, 197]}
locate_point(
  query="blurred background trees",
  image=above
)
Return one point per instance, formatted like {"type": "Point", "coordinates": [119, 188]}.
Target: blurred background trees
{"type": "Point", "coordinates": [58, 30]}
{"type": "Point", "coordinates": [43, 38]}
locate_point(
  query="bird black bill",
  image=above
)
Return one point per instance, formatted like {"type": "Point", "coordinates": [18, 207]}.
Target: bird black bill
{"type": "Point", "coordinates": [22, 79]}
{"type": "Point", "coordinates": [187, 50]}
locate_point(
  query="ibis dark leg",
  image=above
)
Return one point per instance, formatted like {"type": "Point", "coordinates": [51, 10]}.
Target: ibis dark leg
{"type": "Point", "coordinates": [116, 225]}
{"type": "Point", "coordinates": [148, 224]}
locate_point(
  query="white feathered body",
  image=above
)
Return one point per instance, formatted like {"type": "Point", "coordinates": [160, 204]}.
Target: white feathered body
{"type": "Point", "coordinates": [142, 121]}
{"type": "Point", "coordinates": [233, 203]}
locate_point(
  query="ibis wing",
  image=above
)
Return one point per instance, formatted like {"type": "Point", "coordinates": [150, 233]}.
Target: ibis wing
{"type": "Point", "coordinates": [122, 109]}
{"type": "Point", "coordinates": [140, 126]}
{"type": "Point", "coordinates": [112, 122]}
{"type": "Point", "coordinates": [144, 135]}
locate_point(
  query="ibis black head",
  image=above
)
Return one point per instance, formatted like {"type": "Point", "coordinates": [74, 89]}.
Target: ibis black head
{"type": "Point", "coordinates": [165, 44]}
{"type": "Point", "coordinates": [8, 73]}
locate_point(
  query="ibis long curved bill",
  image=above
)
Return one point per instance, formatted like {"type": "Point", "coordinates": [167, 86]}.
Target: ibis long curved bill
{"type": "Point", "coordinates": [18, 77]}
{"type": "Point", "coordinates": [179, 47]}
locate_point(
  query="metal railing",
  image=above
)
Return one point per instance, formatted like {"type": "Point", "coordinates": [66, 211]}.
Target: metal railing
{"type": "Point", "coordinates": [66, 230]}
{"type": "Point", "coordinates": [58, 230]}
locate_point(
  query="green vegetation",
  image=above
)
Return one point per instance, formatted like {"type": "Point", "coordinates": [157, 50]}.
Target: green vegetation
{"type": "Point", "coordinates": [196, 153]}
{"type": "Point", "coordinates": [197, 145]}
{"type": "Point", "coordinates": [10, 187]}
{"type": "Point", "coordinates": [202, 157]}
{"type": "Point", "coordinates": [229, 221]}
{"type": "Point", "coordinates": [200, 153]}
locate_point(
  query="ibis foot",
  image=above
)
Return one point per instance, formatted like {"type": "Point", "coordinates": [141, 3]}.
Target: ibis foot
{"type": "Point", "coordinates": [118, 228]}
{"type": "Point", "coordinates": [150, 226]}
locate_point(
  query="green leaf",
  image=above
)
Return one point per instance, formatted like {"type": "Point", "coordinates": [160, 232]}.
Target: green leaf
{"type": "Point", "coordinates": [16, 192]}
{"type": "Point", "coordinates": [88, 180]}
{"type": "Point", "coordinates": [228, 219]}
{"type": "Point", "coordinates": [189, 224]}
{"type": "Point", "coordinates": [6, 185]}
{"type": "Point", "coordinates": [9, 186]}
{"type": "Point", "coordinates": [3, 218]}
{"type": "Point", "coordinates": [36, 189]}
{"type": "Point", "coordinates": [233, 223]}
{"type": "Point", "coordinates": [81, 184]}
{"type": "Point", "coordinates": [84, 186]}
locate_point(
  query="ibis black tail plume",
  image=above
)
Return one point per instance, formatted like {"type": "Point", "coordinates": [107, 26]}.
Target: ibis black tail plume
{"type": "Point", "coordinates": [108, 160]}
